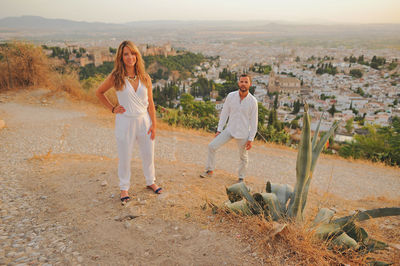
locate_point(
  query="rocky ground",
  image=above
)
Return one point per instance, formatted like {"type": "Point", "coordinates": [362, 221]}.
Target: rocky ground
{"type": "Point", "coordinates": [60, 199]}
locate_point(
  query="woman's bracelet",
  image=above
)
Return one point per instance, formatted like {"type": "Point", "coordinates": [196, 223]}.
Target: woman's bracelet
{"type": "Point", "coordinates": [112, 111]}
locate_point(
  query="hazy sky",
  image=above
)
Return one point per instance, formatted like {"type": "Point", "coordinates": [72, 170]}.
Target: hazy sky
{"type": "Point", "coordinates": [120, 11]}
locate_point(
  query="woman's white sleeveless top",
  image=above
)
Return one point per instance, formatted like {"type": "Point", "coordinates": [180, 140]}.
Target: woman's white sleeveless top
{"type": "Point", "coordinates": [134, 102]}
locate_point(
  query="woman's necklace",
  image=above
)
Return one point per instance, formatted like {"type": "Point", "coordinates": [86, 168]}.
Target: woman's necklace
{"type": "Point", "coordinates": [132, 78]}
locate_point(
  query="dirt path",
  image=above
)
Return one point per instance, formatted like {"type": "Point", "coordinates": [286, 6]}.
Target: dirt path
{"type": "Point", "coordinates": [59, 193]}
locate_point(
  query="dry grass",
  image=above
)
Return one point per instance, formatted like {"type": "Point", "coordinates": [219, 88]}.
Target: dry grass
{"type": "Point", "coordinates": [26, 66]}
{"type": "Point", "coordinates": [23, 65]}
{"type": "Point", "coordinates": [294, 245]}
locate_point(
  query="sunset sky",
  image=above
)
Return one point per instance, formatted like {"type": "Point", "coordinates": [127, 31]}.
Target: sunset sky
{"type": "Point", "coordinates": [121, 11]}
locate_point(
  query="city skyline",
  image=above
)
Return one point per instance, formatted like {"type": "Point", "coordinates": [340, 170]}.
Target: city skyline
{"type": "Point", "coordinates": [292, 11]}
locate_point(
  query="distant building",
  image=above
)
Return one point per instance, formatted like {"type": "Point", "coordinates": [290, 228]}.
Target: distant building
{"type": "Point", "coordinates": [343, 137]}
{"type": "Point", "coordinates": [280, 84]}
{"type": "Point", "coordinates": [165, 50]}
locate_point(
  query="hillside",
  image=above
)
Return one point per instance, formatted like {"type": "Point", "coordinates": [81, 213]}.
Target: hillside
{"type": "Point", "coordinates": [59, 195]}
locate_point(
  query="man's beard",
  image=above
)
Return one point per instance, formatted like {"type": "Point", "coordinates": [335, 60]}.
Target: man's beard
{"type": "Point", "coordinates": [243, 89]}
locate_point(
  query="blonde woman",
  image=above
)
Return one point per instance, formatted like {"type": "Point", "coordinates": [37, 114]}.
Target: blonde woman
{"type": "Point", "coordinates": [135, 115]}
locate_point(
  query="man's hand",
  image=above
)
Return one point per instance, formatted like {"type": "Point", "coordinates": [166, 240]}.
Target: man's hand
{"type": "Point", "coordinates": [152, 131]}
{"type": "Point", "coordinates": [248, 145]}
{"type": "Point", "coordinates": [217, 133]}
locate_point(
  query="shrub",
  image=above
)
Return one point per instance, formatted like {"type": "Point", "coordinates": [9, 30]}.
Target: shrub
{"type": "Point", "coordinates": [23, 65]}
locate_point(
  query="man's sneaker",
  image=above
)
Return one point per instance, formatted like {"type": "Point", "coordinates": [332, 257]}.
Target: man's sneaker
{"type": "Point", "coordinates": [240, 180]}
{"type": "Point", "coordinates": [206, 174]}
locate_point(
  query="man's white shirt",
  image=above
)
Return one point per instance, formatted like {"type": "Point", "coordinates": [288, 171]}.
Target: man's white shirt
{"type": "Point", "coordinates": [243, 116]}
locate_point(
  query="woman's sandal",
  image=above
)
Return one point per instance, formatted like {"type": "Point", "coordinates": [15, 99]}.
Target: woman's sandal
{"type": "Point", "coordinates": [157, 191]}
{"type": "Point", "coordinates": [125, 200]}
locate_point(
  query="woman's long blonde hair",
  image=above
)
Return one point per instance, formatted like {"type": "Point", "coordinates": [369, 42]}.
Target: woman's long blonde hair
{"type": "Point", "coordinates": [119, 72]}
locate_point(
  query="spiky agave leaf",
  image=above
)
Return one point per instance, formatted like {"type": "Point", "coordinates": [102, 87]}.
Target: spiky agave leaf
{"type": "Point", "coordinates": [324, 216]}
{"type": "Point", "coordinates": [270, 204]}
{"type": "Point", "coordinates": [316, 133]}
{"type": "Point", "coordinates": [284, 192]}
{"type": "Point", "coordinates": [356, 232]}
{"type": "Point", "coordinates": [325, 231]}
{"type": "Point", "coordinates": [303, 165]}
{"type": "Point", "coordinates": [239, 191]}
{"type": "Point", "coordinates": [240, 207]}
{"type": "Point", "coordinates": [255, 207]}
{"type": "Point", "coordinates": [320, 145]}
{"type": "Point", "coordinates": [345, 241]}
{"type": "Point", "coordinates": [317, 149]}
{"type": "Point", "coordinates": [234, 192]}
{"type": "Point", "coordinates": [369, 214]}
{"type": "Point", "coordinates": [373, 244]}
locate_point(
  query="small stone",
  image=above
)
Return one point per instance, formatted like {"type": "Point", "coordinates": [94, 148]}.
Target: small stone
{"type": "Point", "coordinates": [334, 209]}
{"type": "Point", "coordinates": [146, 254]}
{"type": "Point", "coordinates": [204, 232]}
{"type": "Point", "coordinates": [139, 227]}
{"type": "Point", "coordinates": [352, 212]}
{"type": "Point", "coordinates": [2, 124]}
{"type": "Point", "coordinates": [11, 254]}
{"type": "Point", "coordinates": [43, 197]}
{"type": "Point", "coordinates": [75, 253]}
{"type": "Point", "coordinates": [112, 196]}
{"type": "Point", "coordinates": [104, 183]}
{"type": "Point", "coordinates": [21, 259]}
{"type": "Point", "coordinates": [79, 259]}
{"type": "Point", "coordinates": [127, 224]}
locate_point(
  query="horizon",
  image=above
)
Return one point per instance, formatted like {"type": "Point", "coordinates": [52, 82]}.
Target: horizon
{"type": "Point", "coordinates": [283, 22]}
{"type": "Point", "coordinates": [289, 11]}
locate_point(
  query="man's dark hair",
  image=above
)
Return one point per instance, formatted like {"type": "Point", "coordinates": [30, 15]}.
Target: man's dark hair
{"type": "Point", "coordinates": [245, 76]}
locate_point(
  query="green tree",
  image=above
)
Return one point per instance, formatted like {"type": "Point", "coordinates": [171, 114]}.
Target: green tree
{"type": "Point", "coordinates": [276, 103]}
{"type": "Point", "coordinates": [360, 59]}
{"type": "Point", "coordinates": [349, 125]}
{"type": "Point", "coordinates": [360, 91]}
{"type": "Point", "coordinates": [294, 124]}
{"type": "Point", "coordinates": [356, 73]}
{"type": "Point", "coordinates": [380, 144]}
{"type": "Point", "coordinates": [392, 66]}
{"type": "Point", "coordinates": [112, 50]}
{"type": "Point", "coordinates": [262, 113]}
{"type": "Point", "coordinates": [332, 110]}
{"type": "Point", "coordinates": [296, 107]}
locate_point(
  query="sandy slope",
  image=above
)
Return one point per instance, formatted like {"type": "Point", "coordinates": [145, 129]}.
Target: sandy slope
{"type": "Point", "coordinates": [60, 194]}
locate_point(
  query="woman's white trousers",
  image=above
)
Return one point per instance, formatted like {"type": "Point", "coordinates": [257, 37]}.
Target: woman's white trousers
{"type": "Point", "coordinates": [129, 130]}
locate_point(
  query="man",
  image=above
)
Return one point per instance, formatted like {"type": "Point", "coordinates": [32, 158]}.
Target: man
{"type": "Point", "coordinates": [242, 109]}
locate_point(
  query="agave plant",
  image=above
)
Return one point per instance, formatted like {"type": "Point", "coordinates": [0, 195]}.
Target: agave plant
{"type": "Point", "coordinates": [281, 201]}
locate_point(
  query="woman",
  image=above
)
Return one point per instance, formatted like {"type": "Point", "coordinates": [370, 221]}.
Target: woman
{"type": "Point", "coordinates": [135, 114]}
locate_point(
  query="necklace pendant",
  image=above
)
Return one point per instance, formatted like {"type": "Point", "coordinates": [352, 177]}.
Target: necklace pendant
{"type": "Point", "coordinates": [132, 79]}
